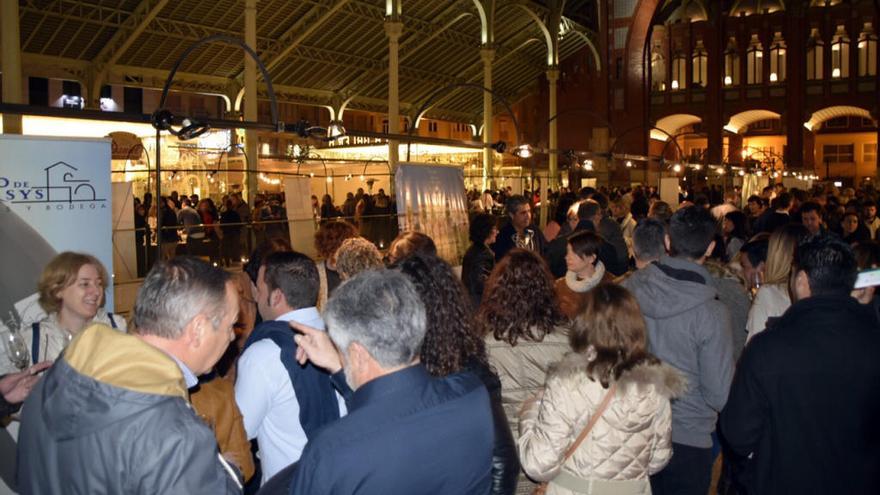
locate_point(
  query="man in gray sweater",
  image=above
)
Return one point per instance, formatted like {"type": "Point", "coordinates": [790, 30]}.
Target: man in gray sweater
{"type": "Point", "coordinates": [688, 328]}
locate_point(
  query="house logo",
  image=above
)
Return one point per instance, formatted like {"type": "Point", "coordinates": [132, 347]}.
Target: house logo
{"type": "Point", "coordinates": [62, 189]}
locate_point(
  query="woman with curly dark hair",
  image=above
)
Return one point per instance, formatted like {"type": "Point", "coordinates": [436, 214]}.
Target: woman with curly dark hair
{"type": "Point", "coordinates": [525, 331]}
{"type": "Point", "coordinates": [451, 345]}
{"type": "Point", "coordinates": [328, 238]}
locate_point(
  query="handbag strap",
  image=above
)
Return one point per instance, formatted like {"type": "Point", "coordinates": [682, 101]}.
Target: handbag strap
{"type": "Point", "coordinates": [593, 420]}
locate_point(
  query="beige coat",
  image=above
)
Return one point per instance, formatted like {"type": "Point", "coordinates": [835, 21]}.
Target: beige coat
{"type": "Point", "coordinates": [53, 339]}
{"type": "Point", "coordinates": [523, 369]}
{"type": "Point", "coordinates": [630, 441]}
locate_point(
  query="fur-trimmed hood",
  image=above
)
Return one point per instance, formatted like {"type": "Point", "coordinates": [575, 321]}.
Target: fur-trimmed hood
{"type": "Point", "coordinates": [667, 381]}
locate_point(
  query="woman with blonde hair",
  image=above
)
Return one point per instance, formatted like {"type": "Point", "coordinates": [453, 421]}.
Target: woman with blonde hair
{"type": "Point", "coordinates": [603, 423]}
{"type": "Point", "coordinates": [772, 298]}
{"type": "Point", "coordinates": [71, 292]}
{"type": "Point", "coordinates": [329, 237]}
{"type": "Point", "coordinates": [356, 255]}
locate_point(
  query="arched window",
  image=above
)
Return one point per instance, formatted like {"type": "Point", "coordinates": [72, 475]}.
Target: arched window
{"type": "Point", "coordinates": [658, 69]}
{"type": "Point", "coordinates": [699, 64]}
{"type": "Point", "coordinates": [755, 61]}
{"type": "Point", "coordinates": [815, 54]}
{"type": "Point", "coordinates": [731, 64]}
{"type": "Point", "coordinates": [840, 54]}
{"type": "Point", "coordinates": [867, 51]}
{"type": "Point", "coordinates": [679, 72]}
{"type": "Point", "coordinates": [777, 59]}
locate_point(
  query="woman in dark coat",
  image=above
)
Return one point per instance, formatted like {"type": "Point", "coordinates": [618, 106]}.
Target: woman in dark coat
{"type": "Point", "coordinates": [479, 259]}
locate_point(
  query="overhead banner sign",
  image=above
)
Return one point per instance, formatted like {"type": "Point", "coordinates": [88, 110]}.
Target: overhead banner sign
{"type": "Point", "coordinates": [299, 215]}
{"type": "Point", "coordinates": [54, 196]}
{"type": "Point", "coordinates": [431, 199]}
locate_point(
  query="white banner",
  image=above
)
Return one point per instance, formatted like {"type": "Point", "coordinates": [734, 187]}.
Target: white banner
{"type": "Point", "coordinates": [54, 196]}
{"type": "Point", "coordinates": [431, 199]}
{"type": "Point", "coordinates": [299, 215]}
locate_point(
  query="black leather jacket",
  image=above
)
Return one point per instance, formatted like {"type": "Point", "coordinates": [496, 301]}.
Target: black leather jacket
{"type": "Point", "coordinates": [505, 459]}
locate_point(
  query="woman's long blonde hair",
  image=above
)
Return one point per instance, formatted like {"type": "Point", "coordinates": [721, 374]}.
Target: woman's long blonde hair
{"type": "Point", "coordinates": [780, 252]}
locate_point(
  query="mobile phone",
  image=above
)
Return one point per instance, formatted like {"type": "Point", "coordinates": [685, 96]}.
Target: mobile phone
{"type": "Point", "coordinates": [868, 278]}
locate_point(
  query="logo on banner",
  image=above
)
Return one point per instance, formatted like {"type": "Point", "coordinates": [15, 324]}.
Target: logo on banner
{"type": "Point", "coordinates": [62, 189]}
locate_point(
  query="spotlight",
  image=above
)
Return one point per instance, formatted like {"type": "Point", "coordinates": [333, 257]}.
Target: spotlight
{"type": "Point", "coordinates": [329, 180]}
{"type": "Point", "coordinates": [588, 165]}
{"type": "Point", "coordinates": [676, 168]}
{"type": "Point", "coordinates": [499, 147]}
{"type": "Point", "coordinates": [523, 151]}
{"type": "Point", "coordinates": [629, 164]}
{"type": "Point", "coordinates": [335, 129]}
{"type": "Point", "coordinates": [742, 173]}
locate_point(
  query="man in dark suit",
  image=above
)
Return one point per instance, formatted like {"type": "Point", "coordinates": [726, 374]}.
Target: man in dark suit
{"type": "Point", "coordinates": [406, 432]}
{"type": "Point", "coordinates": [775, 216]}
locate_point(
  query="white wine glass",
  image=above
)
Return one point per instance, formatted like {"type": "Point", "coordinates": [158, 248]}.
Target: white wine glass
{"type": "Point", "coordinates": [16, 349]}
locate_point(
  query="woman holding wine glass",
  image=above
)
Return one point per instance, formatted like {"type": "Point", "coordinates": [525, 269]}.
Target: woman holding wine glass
{"type": "Point", "coordinates": [71, 291]}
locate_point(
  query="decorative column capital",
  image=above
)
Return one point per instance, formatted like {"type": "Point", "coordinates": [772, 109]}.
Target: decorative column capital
{"type": "Point", "coordinates": [393, 29]}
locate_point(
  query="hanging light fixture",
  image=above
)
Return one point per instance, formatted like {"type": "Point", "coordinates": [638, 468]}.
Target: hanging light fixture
{"type": "Point", "coordinates": [523, 151]}
{"type": "Point", "coordinates": [335, 129]}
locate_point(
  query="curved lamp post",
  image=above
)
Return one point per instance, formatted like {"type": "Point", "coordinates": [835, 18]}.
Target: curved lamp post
{"type": "Point", "coordinates": [164, 120]}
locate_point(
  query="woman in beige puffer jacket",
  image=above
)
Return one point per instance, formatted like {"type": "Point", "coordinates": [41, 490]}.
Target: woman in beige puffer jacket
{"type": "Point", "coordinates": [632, 438]}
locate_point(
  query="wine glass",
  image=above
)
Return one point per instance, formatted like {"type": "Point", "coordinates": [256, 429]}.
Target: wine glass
{"type": "Point", "coordinates": [16, 349]}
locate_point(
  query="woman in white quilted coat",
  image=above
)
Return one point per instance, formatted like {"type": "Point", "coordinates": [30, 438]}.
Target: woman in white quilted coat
{"type": "Point", "coordinates": [631, 439]}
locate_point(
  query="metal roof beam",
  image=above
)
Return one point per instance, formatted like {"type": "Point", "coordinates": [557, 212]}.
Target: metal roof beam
{"type": "Point", "coordinates": [294, 36]}
{"type": "Point", "coordinates": [128, 32]}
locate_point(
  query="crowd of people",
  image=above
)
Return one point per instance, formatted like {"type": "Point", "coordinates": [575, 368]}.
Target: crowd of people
{"type": "Point", "coordinates": [224, 233]}
{"type": "Point", "coordinates": [618, 350]}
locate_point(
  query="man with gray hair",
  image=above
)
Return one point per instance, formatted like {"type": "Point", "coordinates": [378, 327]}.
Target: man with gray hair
{"type": "Point", "coordinates": [113, 415]}
{"type": "Point", "coordinates": [406, 432]}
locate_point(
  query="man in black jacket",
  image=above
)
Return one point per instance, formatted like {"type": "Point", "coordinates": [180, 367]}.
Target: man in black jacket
{"type": "Point", "coordinates": [804, 402]}
{"type": "Point", "coordinates": [519, 232]}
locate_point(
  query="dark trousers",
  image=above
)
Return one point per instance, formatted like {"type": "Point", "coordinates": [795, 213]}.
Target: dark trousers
{"type": "Point", "coordinates": [689, 472]}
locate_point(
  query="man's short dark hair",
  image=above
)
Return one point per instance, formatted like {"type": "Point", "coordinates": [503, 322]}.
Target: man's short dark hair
{"type": "Point", "coordinates": [295, 275]}
{"type": "Point", "coordinates": [480, 228]}
{"type": "Point", "coordinates": [811, 206]}
{"type": "Point", "coordinates": [649, 239]}
{"type": "Point", "coordinates": [176, 291]}
{"type": "Point", "coordinates": [756, 249]}
{"type": "Point", "coordinates": [754, 198]}
{"type": "Point", "coordinates": [585, 243]}
{"type": "Point", "coordinates": [781, 202]}
{"type": "Point", "coordinates": [829, 263]}
{"type": "Point", "coordinates": [691, 230]}
{"type": "Point", "coordinates": [586, 192]}
{"type": "Point", "coordinates": [514, 202]}
{"type": "Point", "coordinates": [588, 209]}
{"type": "Point", "coordinates": [601, 199]}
